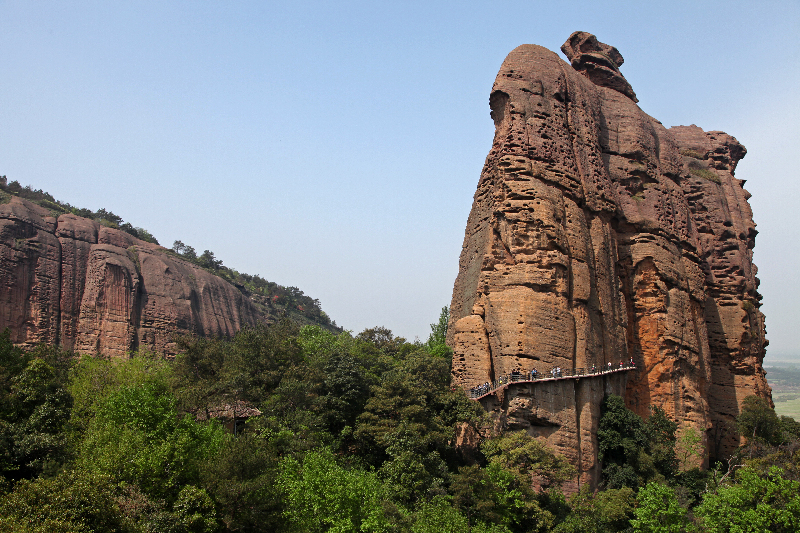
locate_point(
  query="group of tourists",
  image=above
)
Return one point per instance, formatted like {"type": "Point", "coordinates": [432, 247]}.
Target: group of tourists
{"type": "Point", "coordinates": [480, 390]}
{"type": "Point", "coordinates": [515, 376]}
{"type": "Point", "coordinates": [555, 373]}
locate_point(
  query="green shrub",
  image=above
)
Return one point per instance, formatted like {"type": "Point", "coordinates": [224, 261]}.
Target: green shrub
{"type": "Point", "coordinates": [321, 495]}
{"type": "Point", "coordinates": [758, 421]}
{"type": "Point", "coordinates": [658, 510]}
{"type": "Point", "coordinates": [756, 503]}
{"type": "Point", "coordinates": [705, 174]}
{"type": "Point", "coordinates": [692, 153]}
{"type": "Point", "coordinates": [138, 437]}
{"type": "Point", "coordinates": [634, 451]}
{"type": "Point", "coordinates": [72, 502]}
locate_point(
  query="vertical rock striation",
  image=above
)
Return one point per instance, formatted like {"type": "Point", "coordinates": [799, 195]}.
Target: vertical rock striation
{"type": "Point", "coordinates": [597, 235]}
{"type": "Point", "coordinates": [73, 282]}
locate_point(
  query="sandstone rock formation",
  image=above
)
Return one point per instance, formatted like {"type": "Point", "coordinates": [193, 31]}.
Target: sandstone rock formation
{"type": "Point", "coordinates": [74, 282]}
{"type": "Point", "coordinates": [597, 235]}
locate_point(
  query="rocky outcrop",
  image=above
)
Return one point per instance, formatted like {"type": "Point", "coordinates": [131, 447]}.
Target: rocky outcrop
{"type": "Point", "coordinates": [597, 61]}
{"type": "Point", "coordinates": [74, 282]}
{"type": "Point", "coordinates": [598, 235]}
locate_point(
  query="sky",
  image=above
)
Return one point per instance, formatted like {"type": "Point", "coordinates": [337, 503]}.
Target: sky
{"type": "Point", "coordinates": [336, 146]}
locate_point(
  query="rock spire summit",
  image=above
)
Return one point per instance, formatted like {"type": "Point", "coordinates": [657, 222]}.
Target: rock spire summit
{"type": "Point", "coordinates": [597, 61]}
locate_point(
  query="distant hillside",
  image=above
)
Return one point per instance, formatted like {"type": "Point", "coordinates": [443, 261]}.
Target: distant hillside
{"type": "Point", "coordinates": [90, 281]}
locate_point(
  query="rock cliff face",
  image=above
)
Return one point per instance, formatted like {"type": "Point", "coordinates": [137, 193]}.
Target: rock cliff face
{"type": "Point", "coordinates": [73, 282]}
{"type": "Point", "coordinates": [597, 235]}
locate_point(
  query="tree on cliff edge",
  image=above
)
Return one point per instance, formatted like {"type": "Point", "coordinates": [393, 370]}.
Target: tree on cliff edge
{"type": "Point", "coordinates": [437, 339]}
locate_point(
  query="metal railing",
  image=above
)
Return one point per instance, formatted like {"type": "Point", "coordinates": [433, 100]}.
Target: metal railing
{"type": "Point", "coordinates": [534, 376]}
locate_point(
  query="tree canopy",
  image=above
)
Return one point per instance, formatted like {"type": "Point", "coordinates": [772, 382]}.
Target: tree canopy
{"type": "Point", "coordinates": [355, 433]}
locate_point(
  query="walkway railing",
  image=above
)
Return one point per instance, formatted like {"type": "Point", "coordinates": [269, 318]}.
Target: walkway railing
{"type": "Point", "coordinates": [476, 393]}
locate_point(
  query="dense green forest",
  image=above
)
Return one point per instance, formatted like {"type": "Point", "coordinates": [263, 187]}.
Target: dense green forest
{"type": "Point", "coordinates": [356, 434]}
{"type": "Point", "coordinates": [273, 299]}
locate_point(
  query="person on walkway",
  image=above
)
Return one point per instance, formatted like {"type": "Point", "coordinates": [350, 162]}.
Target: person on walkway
{"type": "Point", "coordinates": [609, 366]}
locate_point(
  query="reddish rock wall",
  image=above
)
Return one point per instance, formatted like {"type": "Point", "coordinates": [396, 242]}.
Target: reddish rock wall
{"type": "Point", "coordinates": [86, 287]}
{"type": "Point", "coordinates": [597, 235]}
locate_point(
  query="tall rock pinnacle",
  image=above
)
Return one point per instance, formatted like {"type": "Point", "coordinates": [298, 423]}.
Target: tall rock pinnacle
{"type": "Point", "coordinates": [598, 236]}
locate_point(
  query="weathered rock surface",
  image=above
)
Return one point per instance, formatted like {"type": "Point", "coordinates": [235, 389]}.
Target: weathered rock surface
{"type": "Point", "coordinates": [94, 289]}
{"type": "Point", "coordinates": [597, 235]}
{"type": "Point", "coordinates": [597, 61]}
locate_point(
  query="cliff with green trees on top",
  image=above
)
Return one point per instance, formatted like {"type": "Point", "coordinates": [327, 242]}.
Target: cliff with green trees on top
{"type": "Point", "coordinates": [89, 281]}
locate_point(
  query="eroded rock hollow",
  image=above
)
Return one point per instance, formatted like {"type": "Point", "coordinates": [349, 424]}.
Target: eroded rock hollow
{"type": "Point", "coordinates": [598, 235]}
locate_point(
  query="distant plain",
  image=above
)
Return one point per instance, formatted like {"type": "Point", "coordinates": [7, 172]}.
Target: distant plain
{"type": "Point", "coordinates": [784, 378]}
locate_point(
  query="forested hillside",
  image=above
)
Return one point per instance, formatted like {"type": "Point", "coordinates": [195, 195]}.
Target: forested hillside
{"type": "Point", "coordinates": [355, 433]}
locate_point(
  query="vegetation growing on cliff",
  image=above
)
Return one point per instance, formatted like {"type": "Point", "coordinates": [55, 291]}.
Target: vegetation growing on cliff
{"type": "Point", "coordinates": [705, 174]}
{"type": "Point", "coordinates": [356, 433]}
{"type": "Point", "coordinates": [56, 208]}
{"type": "Point", "coordinates": [269, 296]}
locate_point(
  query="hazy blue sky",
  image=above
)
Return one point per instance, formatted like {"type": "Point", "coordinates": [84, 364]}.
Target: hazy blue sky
{"type": "Point", "coordinates": [336, 146]}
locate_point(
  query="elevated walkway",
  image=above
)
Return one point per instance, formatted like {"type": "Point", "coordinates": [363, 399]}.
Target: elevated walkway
{"type": "Point", "coordinates": [503, 382]}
